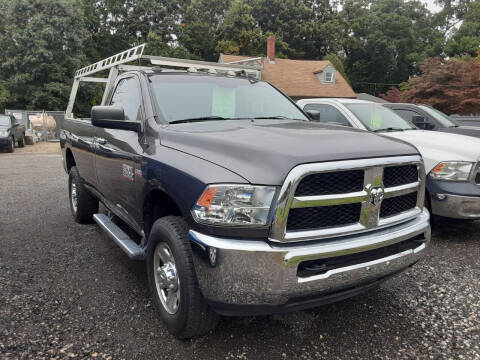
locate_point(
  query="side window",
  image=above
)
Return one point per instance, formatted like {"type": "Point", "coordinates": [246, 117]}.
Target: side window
{"type": "Point", "coordinates": [406, 114]}
{"type": "Point", "coordinates": [127, 95]}
{"type": "Point", "coordinates": [329, 114]}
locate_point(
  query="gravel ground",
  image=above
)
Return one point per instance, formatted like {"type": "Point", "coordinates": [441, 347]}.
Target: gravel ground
{"type": "Point", "coordinates": [68, 291]}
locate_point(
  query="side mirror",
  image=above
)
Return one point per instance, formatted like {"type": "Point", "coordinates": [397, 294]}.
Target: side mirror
{"type": "Point", "coordinates": [314, 115]}
{"type": "Point", "coordinates": [111, 117]}
{"type": "Point", "coordinates": [422, 123]}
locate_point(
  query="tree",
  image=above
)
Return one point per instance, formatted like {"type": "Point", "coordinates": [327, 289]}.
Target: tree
{"type": "Point", "coordinates": [466, 40]}
{"type": "Point", "coordinates": [200, 27]}
{"type": "Point", "coordinates": [394, 95]}
{"type": "Point", "coordinates": [385, 40]}
{"type": "Point", "coordinates": [452, 86]}
{"type": "Point", "coordinates": [308, 27]}
{"type": "Point", "coordinates": [42, 45]}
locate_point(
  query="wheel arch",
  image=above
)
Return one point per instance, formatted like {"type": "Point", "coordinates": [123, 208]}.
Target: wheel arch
{"type": "Point", "coordinates": [157, 204]}
{"type": "Point", "coordinates": [69, 160]}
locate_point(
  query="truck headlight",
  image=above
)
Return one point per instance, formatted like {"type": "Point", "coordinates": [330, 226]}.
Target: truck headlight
{"type": "Point", "coordinates": [234, 205]}
{"type": "Point", "coordinates": [3, 133]}
{"type": "Point", "coordinates": [452, 171]}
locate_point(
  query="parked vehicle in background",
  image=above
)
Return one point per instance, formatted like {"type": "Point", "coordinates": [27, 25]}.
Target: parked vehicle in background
{"type": "Point", "coordinates": [467, 120]}
{"type": "Point", "coordinates": [427, 118]}
{"type": "Point", "coordinates": [11, 132]}
{"type": "Point", "coordinates": [452, 161]}
{"type": "Point", "coordinates": [237, 202]}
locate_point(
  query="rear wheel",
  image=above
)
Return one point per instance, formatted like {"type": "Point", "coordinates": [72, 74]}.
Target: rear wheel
{"type": "Point", "coordinates": [173, 282]}
{"type": "Point", "coordinates": [21, 141]}
{"type": "Point", "coordinates": [82, 203]}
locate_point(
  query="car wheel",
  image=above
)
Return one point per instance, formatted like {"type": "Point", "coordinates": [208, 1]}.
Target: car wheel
{"type": "Point", "coordinates": [82, 203]}
{"type": "Point", "coordinates": [173, 282]}
{"type": "Point", "coordinates": [21, 141]}
{"type": "Point", "coordinates": [11, 147]}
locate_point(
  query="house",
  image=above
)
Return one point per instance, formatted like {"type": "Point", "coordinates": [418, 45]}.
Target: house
{"type": "Point", "coordinates": [298, 79]}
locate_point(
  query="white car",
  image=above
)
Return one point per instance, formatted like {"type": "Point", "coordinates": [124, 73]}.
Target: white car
{"type": "Point", "coordinates": [452, 161]}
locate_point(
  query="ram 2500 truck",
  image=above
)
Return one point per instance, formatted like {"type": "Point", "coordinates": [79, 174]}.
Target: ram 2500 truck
{"type": "Point", "coordinates": [236, 200]}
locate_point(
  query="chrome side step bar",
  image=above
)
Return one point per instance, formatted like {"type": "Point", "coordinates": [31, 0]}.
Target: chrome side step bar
{"type": "Point", "coordinates": [130, 247]}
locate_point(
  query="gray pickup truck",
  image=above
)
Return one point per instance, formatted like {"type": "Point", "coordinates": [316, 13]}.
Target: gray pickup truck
{"type": "Point", "coordinates": [11, 132]}
{"type": "Point", "coordinates": [238, 203]}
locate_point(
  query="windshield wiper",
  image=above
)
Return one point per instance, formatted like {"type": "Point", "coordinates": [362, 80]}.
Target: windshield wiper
{"type": "Point", "coordinates": [389, 129]}
{"type": "Point", "coordinates": [202, 118]}
{"type": "Point", "coordinates": [276, 117]}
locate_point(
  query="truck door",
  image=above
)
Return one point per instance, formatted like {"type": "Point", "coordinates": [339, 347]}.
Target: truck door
{"type": "Point", "coordinates": [117, 159]}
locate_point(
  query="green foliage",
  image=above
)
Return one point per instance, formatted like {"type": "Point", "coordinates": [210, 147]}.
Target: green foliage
{"type": "Point", "coordinates": [368, 41]}
{"type": "Point", "coordinates": [466, 40]}
{"type": "Point", "coordinates": [42, 45]}
{"type": "Point", "coordinates": [384, 40]}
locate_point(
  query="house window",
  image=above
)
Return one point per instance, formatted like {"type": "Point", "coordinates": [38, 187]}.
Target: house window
{"type": "Point", "coordinates": [328, 76]}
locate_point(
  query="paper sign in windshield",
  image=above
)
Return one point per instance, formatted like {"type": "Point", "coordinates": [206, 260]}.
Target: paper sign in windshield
{"type": "Point", "coordinates": [223, 102]}
{"type": "Point", "coordinates": [375, 120]}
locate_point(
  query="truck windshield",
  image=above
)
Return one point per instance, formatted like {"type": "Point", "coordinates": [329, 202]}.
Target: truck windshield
{"type": "Point", "coordinates": [4, 120]}
{"type": "Point", "coordinates": [204, 97]}
{"type": "Point", "coordinates": [378, 118]}
{"type": "Point", "coordinates": [439, 116]}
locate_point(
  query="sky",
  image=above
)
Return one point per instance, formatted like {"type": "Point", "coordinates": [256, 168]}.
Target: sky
{"type": "Point", "coordinates": [431, 5]}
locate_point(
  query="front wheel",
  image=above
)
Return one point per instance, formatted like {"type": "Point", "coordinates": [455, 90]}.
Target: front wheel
{"type": "Point", "coordinates": [82, 203]}
{"type": "Point", "coordinates": [11, 146]}
{"type": "Point", "coordinates": [173, 282]}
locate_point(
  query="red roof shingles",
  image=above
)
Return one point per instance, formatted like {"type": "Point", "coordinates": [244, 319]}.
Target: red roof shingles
{"type": "Point", "coordinates": [297, 78]}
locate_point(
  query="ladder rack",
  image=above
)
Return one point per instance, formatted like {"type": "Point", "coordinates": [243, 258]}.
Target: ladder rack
{"type": "Point", "coordinates": [117, 63]}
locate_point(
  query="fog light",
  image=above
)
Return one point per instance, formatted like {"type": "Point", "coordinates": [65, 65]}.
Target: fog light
{"type": "Point", "coordinates": [440, 197]}
{"type": "Point", "coordinates": [212, 256]}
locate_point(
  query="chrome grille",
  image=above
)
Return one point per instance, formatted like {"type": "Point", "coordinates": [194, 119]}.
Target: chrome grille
{"type": "Point", "coordinates": [399, 175]}
{"type": "Point", "coordinates": [315, 202]}
{"type": "Point", "coordinates": [324, 216]}
{"type": "Point", "coordinates": [397, 205]}
{"type": "Point", "coordinates": [336, 182]}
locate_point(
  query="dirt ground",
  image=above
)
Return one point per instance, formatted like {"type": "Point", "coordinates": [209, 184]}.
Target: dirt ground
{"type": "Point", "coordinates": [40, 147]}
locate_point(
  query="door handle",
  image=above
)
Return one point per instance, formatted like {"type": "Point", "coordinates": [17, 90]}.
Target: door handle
{"type": "Point", "coordinates": [101, 141]}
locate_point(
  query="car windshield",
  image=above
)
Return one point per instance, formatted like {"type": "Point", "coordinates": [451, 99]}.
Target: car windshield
{"type": "Point", "coordinates": [184, 98]}
{"type": "Point", "coordinates": [378, 118]}
{"type": "Point", "coordinates": [4, 120]}
{"type": "Point", "coordinates": [439, 116]}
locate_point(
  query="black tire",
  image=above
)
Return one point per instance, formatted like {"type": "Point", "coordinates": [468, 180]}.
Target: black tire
{"type": "Point", "coordinates": [11, 147]}
{"type": "Point", "coordinates": [21, 141]}
{"type": "Point", "coordinates": [193, 316]}
{"type": "Point", "coordinates": [86, 204]}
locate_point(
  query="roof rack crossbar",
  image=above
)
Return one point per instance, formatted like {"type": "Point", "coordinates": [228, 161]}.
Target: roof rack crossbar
{"type": "Point", "coordinates": [186, 63]}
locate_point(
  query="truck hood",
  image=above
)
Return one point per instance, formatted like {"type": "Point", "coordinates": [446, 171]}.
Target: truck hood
{"type": "Point", "coordinates": [436, 146]}
{"type": "Point", "coordinates": [463, 130]}
{"type": "Point", "coordinates": [264, 151]}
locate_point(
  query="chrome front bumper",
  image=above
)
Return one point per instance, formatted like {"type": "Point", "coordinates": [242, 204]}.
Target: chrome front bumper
{"type": "Point", "coordinates": [456, 206]}
{"type": "Point", "coordinates": [253, 272]}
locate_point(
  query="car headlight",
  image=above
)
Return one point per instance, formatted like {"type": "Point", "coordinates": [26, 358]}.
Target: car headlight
{"type": "Point", "coordinates": [3, 133]}
{"type": "Point", "coordinates": [234, 205]}
{"type": "Point", "coordinates": [452, 171]}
